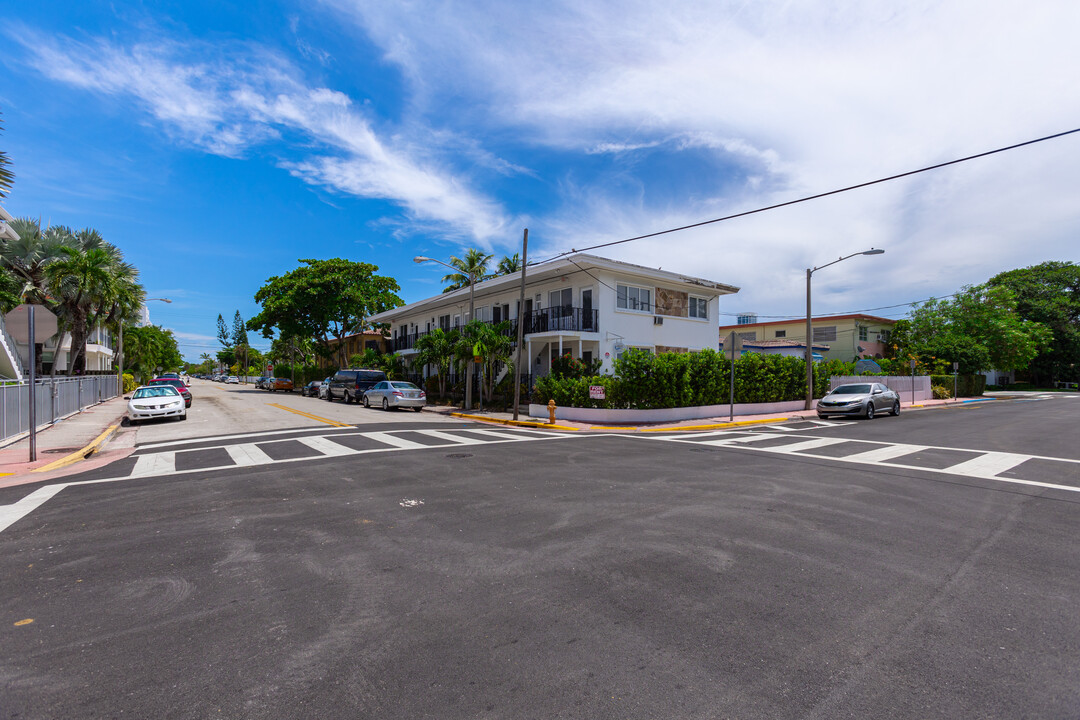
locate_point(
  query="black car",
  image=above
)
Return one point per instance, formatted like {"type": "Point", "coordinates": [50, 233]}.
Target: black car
{"type": "Point", "coordinates": [311, 389]}
{"type": "Point", "coordinates": [350, 385]}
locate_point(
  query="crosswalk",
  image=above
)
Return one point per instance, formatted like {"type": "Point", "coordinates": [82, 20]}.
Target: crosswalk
{"type": "Point", "coordinates": [1018, 468]}
{"type": "Point", "coordinates": [202, 455]}
{"type": "Point", "coordinates": [173, 458]}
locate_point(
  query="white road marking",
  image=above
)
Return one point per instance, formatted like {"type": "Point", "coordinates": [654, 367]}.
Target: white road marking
{"type": "Point", "coordinates": [987, 466]}
{"type": "Point", "coordinates": [328, 448]}
{"type": "Point", "coordinates": [449, 437]}
{"type": "Point", "coordinates": [809, 444]}
{"type": "Point", "coordinates": [888, 452]}
{"type": "Point", "coordinates": [395, 441]}
{"type": "Point", "coordinates": [156, 464]}
{"type": "Point", "coordinates": [216, 438]}
{"type": "Point", "coordinates": [10, 514]}
{"type": "Point", "coordinates": [990, 464]}
{"type": "Point", "coordinates": [248, 454]}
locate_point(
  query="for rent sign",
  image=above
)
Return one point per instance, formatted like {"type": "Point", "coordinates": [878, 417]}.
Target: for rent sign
{"type": "Point", "coordinates": [596, 392]}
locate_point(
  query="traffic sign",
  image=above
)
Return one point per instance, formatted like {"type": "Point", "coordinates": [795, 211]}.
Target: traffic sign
{"type": "Point", "coordinates": [44, 323]}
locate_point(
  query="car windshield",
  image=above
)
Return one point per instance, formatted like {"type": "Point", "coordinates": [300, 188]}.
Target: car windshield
{"type": "Point", "coordinates": [156, 391]}
{"type": "Point", "coordinates": [167, 381]}
{"type": "Point", "coordinates": [852, 390]}
{"type": "Point", "coordinates": [404, 386]}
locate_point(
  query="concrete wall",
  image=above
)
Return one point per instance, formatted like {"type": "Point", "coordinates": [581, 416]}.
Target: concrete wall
{"type": "Point", "coordinates": [900, 384]}
{"type": "Point", "coordinates": [600, 415]}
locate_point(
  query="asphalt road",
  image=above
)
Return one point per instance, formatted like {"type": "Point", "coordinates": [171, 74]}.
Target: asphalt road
{"type": "Point", "coordinates": [437, 572]}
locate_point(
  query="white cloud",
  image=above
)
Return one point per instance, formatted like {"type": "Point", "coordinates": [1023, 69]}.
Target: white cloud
{"type": "Point", "coordinates": [234, 99]}
{"type": "Point", "coordinates": [804, 98]}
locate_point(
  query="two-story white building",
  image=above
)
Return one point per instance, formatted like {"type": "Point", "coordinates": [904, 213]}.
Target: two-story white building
{"type": "Point", "coordinates": [588, 306]}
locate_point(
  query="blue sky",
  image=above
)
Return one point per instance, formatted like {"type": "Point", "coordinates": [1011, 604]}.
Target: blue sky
{"type": "Point", "coordinates": [216, 145]}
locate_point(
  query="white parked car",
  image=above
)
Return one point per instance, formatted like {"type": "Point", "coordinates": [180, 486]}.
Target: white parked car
{"type": "Point", "coordinates": [156, 401]}
{"type": "Point", "coordinates": [232, 380]}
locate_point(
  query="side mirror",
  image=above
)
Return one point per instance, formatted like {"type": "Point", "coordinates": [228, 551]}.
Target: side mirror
{"type": "Point", "coordinates": [127, 397]}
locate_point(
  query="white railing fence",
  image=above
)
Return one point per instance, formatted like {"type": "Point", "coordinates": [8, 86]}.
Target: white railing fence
{"type": "Point", "coordinates": [53, 400]}
{"type": "Point", "coordinates": [900, 384]}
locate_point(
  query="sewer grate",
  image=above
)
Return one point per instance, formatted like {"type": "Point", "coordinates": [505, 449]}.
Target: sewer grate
{"type": "Point", "coordinates": [457, 456]}
{"type": "Point", "coordinates": [60, 450]}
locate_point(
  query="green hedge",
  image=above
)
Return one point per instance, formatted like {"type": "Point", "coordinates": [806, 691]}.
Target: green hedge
{"type": "Point", "coordinates": [645, 381]}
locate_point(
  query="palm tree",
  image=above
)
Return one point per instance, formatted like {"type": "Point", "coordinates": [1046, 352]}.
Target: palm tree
{"type": "Point", "coordinates": [491, 343]}
{"type": "Point", "coordinates": [7, 177]}
{"type": "Point", "coordinates": [437, 348]}
{"type": "Point", "coordinates": [509, 264]}
{"type": "Point", "coordinates": [474, 264]}
{"type": "Point", "coordinates": [83, 281]}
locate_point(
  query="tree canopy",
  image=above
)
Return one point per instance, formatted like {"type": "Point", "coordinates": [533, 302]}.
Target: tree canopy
{"type": "Point", "coordinates": [1049, 294]}
{"type": "Point", "coordinates": [979, 328]}
{"type": "Point", "coordinates": [474, 264]}
{"type": "Point", "coordinates": [323, 300]}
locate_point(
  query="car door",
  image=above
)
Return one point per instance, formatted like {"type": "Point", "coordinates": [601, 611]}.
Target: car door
{"type": "Point", "coordinates": [377, 393]}
{"type": "Point", "coordinates": [880, 396]}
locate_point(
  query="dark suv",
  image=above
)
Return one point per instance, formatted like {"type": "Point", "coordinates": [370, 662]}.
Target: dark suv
{"type": "Point", "coordinates": [351, 384]}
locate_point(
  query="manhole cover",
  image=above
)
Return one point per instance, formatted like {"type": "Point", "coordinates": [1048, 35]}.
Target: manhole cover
{"type": "Point", "coordinates": [61, 450]}
{"type": "Point", "coordinates": [459, 455]}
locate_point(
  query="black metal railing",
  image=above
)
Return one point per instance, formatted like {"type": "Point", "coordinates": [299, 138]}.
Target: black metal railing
{"type": "Point", "coordinates": [562, 318]}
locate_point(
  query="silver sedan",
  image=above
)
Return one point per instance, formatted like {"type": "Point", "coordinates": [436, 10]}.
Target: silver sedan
{"type": "Point", "coordinates": [859, 399]}
{"type": "Point", "coordinates": [395, 394]}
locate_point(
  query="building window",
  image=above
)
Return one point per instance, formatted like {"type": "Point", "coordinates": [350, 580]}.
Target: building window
{"type": "Point", "coordinates": [748, 336]}
{"type": "Point", "coordinates": [747, 319]}
{"type": "Point", "coordinates": [699, 308]}
{"type": "Point", "coordinates": [864, 332]}
{"type": "Point", "coordinates": [629, 297]}
{"type": "Point", "coordinates": [825, 334]}
{"type": "Point", "coordinates": [781, 333]}
{"type": "Point", "coordinates": [444, 323]}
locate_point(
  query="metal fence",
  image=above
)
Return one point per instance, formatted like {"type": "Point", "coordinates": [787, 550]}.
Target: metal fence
{"type": "Point", "coordinates": [900, 384]}
{"type": "Point", "coordinates": [53, 400]}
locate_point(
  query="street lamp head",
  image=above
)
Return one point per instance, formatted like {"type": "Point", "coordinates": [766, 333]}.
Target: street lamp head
{"type": "Point", "coordinates": [874, 251]}
{"type": "Point", "coordinates": [164, 300]}
{"type": "Point", "coordinates": [421, 259]}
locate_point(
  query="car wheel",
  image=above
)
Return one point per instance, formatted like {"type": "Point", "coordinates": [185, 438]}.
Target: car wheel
{"type": "Point", "coordinates": [418, 409]}
{"type": "Point", "coordinates": [869, 411]}
{"type": "Point", "coordinates": [367, 402]}
{"type": "Point", "coordinates": [184, 416]}
{"type": "Point", "coordinates": [822, 417]}
{"type": "Point", "coordinates": [329, 398]}
{"type": "Point", "coordinates": [385, 404]}
{"type": "Point", "coordinates": [896, 408]}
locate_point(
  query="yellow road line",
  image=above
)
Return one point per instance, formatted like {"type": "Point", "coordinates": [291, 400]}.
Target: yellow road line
{"type": "Point", "coordinates": [519, 423]}
{"type": "Point", "coordinates": [715, 427]}
{"type": "Point", "coordinates": [78, 455]}
{"type": "Point", "coordinates": [328, 421]}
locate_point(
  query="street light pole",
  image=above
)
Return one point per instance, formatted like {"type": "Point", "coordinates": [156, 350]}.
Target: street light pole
{"type": "Point", "coordinates": [521, 324]}
{"type": "Point", "coordinates": [809, 326]}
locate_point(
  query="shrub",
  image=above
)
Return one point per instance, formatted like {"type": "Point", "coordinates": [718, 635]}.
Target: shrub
{"type": "Point", "coordinates": [940, 392]}
{"type": "Point", "coordinates": [129, 383]}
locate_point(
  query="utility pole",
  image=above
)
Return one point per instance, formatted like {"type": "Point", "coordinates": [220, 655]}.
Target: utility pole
{"type": "Point", "coordinates": [520, 323]}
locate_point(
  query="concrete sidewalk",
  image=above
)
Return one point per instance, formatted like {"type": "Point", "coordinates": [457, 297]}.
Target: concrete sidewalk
{"type": "Point", "coordinates": [92, 431]}
{"type": "Point", "coordinates": [719, 422]}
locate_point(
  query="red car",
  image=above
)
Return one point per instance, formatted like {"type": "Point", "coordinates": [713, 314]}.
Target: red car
{"type": "Point", "coordinates": [176, 383]}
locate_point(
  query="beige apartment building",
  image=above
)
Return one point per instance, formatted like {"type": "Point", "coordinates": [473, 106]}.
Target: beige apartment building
{"type": "Point", "coordinates": [848, 337]}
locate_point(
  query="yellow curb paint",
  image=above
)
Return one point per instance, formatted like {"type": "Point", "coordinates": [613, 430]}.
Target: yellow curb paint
{"type": "Point", "coordinates": [27, 621]}
{"type": "Point", "coordinates": [6, 474]}
{"type": "Point", "coordinates": [719, 426]}
{"type": "Point", "coordinates": [78, 455]}
{"type": "Point", "coordinates": [328, 421]}
{"type": "Point", "coordinates": [519, 423]}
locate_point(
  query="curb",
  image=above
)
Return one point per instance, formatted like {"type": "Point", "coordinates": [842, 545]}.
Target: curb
{"type": "Point", "coordinates": [739, 423]}
{"type": "Point", "coordinates": [519, 423]}
{"type": "Point", "coordinates": [82, 454]}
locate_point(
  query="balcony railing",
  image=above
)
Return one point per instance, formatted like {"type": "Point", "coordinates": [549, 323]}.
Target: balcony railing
{"type": "Point", "coordinates": [562, 318]}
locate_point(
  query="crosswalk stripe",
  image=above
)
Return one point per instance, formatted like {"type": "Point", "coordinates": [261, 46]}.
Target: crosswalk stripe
{"type": "Point", "coordinates": [10, 514]}
{"type": "Point", "coordinates": [989, 465]}
{"type": "Point", "coordinates": [501, 435]}
{"type": "Point", "coordinates": [248, 454]}
{"type": "Point", "coordinates": [809, 444]}
{"type": "Point", "coordinates": [394, 440]}
{"type": "Point", "coordinates": [156, 464]}
{"type": "Point", "coordinates": [888, 452]}
{"type": "Point", "coordinates": [328, 448]}
{"type": "Point", "coordinates": [456, 439]}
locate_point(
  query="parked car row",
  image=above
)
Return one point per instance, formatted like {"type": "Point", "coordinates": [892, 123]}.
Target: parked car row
{"type": "Point", "coordinates": [163, 397]}
{"type": "Point", "coordinates": [370, 387]}
{"type": "Point", "coordinates": [273, 384]}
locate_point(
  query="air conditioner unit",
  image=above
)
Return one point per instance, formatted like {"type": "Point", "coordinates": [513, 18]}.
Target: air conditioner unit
{"type": "Point", "coordinates": [657, 320]}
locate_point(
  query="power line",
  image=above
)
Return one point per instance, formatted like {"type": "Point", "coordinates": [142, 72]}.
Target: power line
{"type": "Point", "coordinates": [811, 197]}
